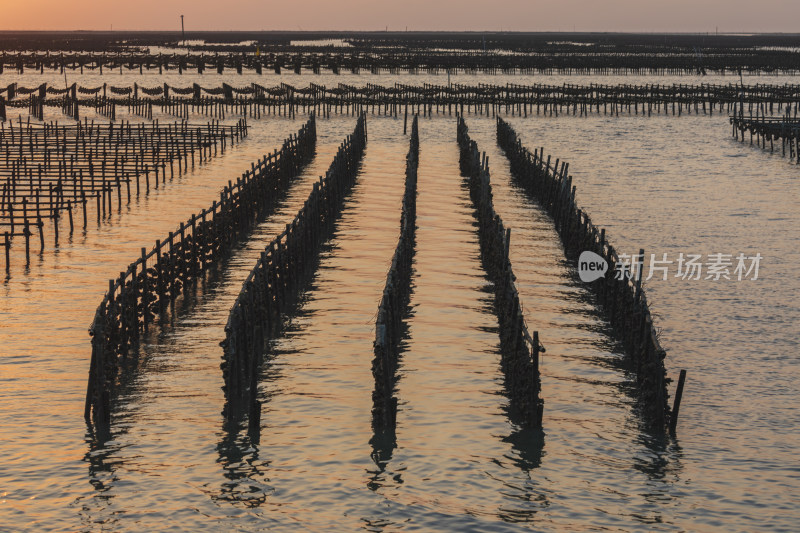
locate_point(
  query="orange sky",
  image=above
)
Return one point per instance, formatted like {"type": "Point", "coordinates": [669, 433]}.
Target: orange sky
{"type": "Point", "coordinates": [517, 15]}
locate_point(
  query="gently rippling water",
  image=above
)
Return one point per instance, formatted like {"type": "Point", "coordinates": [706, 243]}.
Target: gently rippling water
{"type": "Point", "coordinates": [666, 184]}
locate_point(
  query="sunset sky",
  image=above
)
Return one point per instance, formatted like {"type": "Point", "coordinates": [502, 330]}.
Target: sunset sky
{"type": "Point", "coordinates": [515, 15]}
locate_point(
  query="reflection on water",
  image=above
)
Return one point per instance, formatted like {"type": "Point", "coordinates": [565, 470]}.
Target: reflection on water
{"type": "Point", "coordinates": [384, 435]}
{"type": "Point", "coordinates": [245, 481]}
{"type": "Point", "coordinates": [455, 460]}
{"type": "Point", "coordinates": [383, 443]}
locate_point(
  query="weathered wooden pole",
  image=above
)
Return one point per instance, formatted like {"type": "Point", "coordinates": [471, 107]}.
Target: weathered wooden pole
{"type": "Point", "coordinates": [676, 406]}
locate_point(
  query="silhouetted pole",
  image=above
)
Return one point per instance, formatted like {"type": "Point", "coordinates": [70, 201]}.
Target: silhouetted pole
{"type": "Point", "coordinates": [673, 419]}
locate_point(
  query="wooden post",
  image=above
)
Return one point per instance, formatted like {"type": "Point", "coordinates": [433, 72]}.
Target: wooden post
{"type": "Point", "coordinates": [27, 233]}
{"type": "Point", "coordinates": [676, 406]}
{"type": "Point", "coordinates": [7, 244]}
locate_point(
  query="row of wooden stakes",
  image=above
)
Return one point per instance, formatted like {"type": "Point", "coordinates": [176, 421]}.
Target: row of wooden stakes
{"type": "Point", "coordinates": [622, 297]}
{"type": "Point", "coordinates": [655, 60]}
{"type": "Point", "coordinates": [283, 269]}
{"type": "Point", "coordinates": [396, 294]}
{"type": "Point", "coordinates": [523, 100]}
{"type": "Point", "coordinates": [519, 349]}
{"type": "Point", "coordinates": [143, 294]}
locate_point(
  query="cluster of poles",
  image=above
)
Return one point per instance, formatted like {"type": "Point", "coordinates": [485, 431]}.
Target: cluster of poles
{"type": "Point", "coordinates": [51, 169]}
{"type": "Point", "coordinates": [148, 289]}
{"type": "Point", "coordinates": [765, 130]}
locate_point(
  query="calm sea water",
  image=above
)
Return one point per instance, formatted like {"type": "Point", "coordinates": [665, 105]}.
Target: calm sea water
{"type": "Point", "coordinates": [666, 184]}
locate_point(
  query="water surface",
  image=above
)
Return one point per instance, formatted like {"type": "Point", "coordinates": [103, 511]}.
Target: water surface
{"type": "Point", "coordinates": [666, 184]}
